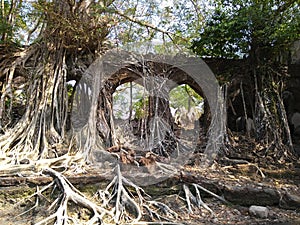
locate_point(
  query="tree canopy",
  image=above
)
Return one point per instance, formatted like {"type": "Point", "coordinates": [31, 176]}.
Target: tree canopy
{"type": "Point", "coordinates": [241, 28]}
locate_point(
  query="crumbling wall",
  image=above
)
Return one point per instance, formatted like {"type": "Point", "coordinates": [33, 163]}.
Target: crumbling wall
{"type": "Point", "coordinates": [235, 73]}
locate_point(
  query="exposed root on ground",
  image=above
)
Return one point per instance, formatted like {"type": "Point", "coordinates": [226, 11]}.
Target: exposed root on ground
{"type": "Point", "coordinates": [192, 200]}
{"type": "Point", "coordinates": [159, 209]}
{"type": "Point", "coordinates": [70, 193]}
{"type": "Point", "coordinates": [122, 199]}
{"type": "Point", "coordinates": [196, 200]}
{"type": "Point", "coordinates": [122, 202]}
{"type": "Point", "coordinates": [61, 163]}
{"type": "Point", "coordinates": [125, 207]}
{"type": "Point", "coordinates": [239, 163]}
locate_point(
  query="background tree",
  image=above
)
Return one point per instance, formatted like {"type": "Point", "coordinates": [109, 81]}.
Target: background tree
{"type": "Point", "coordinates": [261, 32]}
{"type": "Point", "coordinates": [247, 28]}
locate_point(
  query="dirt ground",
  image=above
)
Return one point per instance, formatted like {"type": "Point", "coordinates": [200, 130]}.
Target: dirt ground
{"type": "Point", "coordinates": [17, 208]}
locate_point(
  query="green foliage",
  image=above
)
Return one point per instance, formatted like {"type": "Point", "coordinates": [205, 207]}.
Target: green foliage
{"type": "Point", "coordinates": [12, 21]}
{"type": "Point", "coordinates": [5, 27]}
{"type": "Point", "coordinates": [181, 96]}
{"type": "Point", "coordinates": [70, 90]}
{"type": "Point", "coordinates": [184, 96]}
{"type": "Point", "coordinates": [243, 27]}
{"type": "Point", "coordinates": [165, 21]}
{"type": "Point", "coordinates": [140, 108]}
{"type": "Point", "coordinates": [123, 22]}
{"type": "Point", "coordinates": [19, 20]}
{"type": "Point", "coordinates": [122, 101]}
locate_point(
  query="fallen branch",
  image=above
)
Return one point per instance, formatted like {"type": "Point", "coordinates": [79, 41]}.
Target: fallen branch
{"type": "Point", "coordinates": [240, 163]}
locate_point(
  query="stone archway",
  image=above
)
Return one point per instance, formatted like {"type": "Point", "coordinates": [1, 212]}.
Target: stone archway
{"type": "Point", "coordinates": [97, 132]}
{"type": "Point", "coordinates": [162, 78]}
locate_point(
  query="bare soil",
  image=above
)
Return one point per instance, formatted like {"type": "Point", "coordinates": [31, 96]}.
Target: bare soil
{"type": "Point", "coordinates": [17, 208]}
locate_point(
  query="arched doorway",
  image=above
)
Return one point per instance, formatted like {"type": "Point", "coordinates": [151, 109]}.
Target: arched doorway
{"type": "Point", "coordinates": [158, 142]}
{"type": "Point", "coordinates": [139, 95]}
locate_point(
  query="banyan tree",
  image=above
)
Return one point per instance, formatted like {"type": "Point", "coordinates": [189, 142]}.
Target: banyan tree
{"type": "Point", "coordinates": [56, 110]}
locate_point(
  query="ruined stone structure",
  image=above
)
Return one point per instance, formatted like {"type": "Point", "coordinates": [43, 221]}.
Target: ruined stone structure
{"type": "Point", "coordinates": [291, 94]}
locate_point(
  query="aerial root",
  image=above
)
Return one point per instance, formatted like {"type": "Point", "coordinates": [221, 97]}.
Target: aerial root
{"type": "Point", "coordinates": [70, 193]}
{"type": "Point", "coordinates": [196, 200]}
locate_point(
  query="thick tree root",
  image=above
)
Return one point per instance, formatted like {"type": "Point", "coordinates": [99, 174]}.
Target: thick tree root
{"type": "Point", "coordinates": [192, 200]}
{"type": "Point", "coordinates": [196, 200]}
{"type": "Point", "coordinates": [125, 207]}
{"type": "Point", "coordinates": [117, 204]}
{"type": "Point", "coordinates": [121, 199]}
{"type": "Point", "coordinates": [70, 193]}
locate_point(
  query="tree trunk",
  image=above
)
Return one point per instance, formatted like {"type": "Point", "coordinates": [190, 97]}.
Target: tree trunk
{"type": "Point", "coordinates": [51, 61]}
